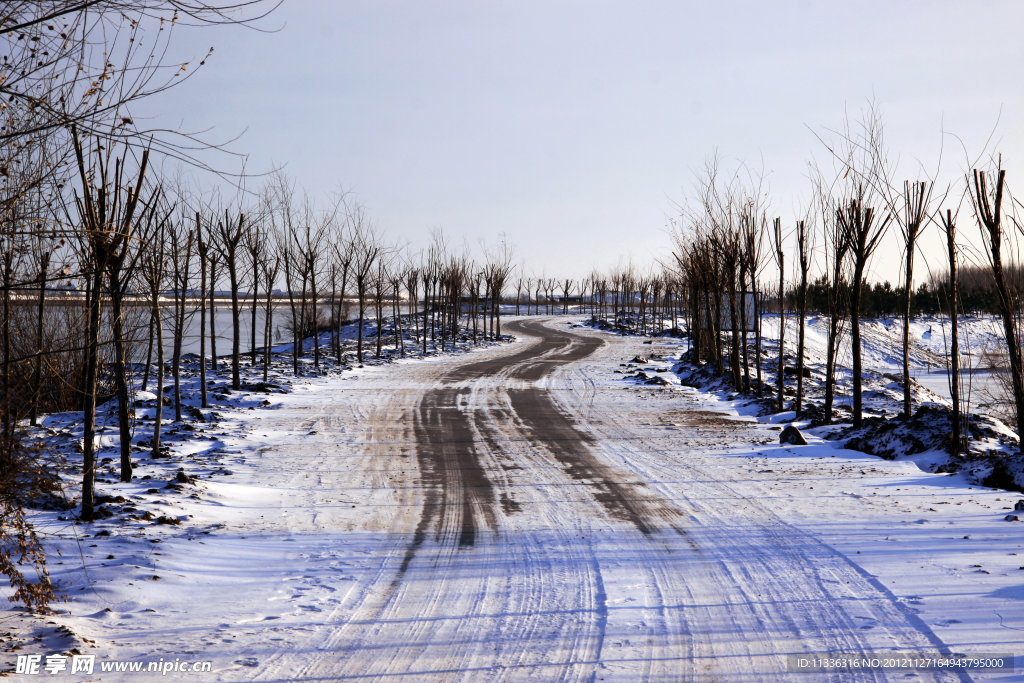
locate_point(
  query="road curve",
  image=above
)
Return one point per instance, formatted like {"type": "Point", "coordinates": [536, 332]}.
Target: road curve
{"type": "Point", "coordinates": [544, 529]}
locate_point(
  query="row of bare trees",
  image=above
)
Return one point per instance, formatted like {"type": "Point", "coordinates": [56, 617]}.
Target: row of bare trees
{"type": "Point", "coordinates": [719, 262]}
{"type": "Point", "coordinates": [142, 262]}
{"type": "Point", "coordinates": [71, 74]}
{"type": "Point", "coordinates": [644, 303]}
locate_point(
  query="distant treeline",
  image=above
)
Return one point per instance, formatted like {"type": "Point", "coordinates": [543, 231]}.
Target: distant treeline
{"type": "Point", "coordinates": [977, 294]}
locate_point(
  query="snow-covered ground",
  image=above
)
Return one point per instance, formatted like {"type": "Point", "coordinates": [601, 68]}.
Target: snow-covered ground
{"type": "Point", "coordinates": [992, 454]}
{"type": "Point", "coordinates": [882, 345]}
{"type": "Point", "coordinates": [649, 531]}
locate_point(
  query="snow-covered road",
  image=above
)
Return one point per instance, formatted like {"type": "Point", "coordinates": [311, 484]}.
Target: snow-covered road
{"type": "Point", "coordinates": [523, 513]}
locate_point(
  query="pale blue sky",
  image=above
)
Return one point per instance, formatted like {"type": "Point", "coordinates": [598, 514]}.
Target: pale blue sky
{"type": "Point", "coordinates": [574, 127]}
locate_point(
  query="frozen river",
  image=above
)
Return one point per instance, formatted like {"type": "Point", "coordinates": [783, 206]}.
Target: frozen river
{"type": "Point", "coordinates": [979, 382]}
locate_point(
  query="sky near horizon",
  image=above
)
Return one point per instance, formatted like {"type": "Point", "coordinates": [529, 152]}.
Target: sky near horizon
{"type": "Point", "coordinates": [577, 129]}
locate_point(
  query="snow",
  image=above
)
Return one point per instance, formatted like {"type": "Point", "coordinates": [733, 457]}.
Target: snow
{"type": "Point", "coordinates": [298, 565]}
{"type": "Point", "coordinates": [882, 345]}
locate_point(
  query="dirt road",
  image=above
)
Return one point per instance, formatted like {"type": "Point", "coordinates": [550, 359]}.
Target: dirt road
{"type": "Point", "coordinates": [525, 517]}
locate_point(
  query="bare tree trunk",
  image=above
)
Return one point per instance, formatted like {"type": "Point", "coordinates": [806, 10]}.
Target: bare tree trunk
{"type": "Point", "coordinates": [958, 443]}
{"type": "Point", "coordinates": [757, 330]}
{"type": "Point", "coordinates": [83, 387]}
{"type": "Point", "coordinates": [802, 246]}
{"type": "Point", "coordinates": [855, 346]}
{"type": "Point", "coordinates": [121, 375]}
{"type": "Point", "coordinates": [830, 367]}
{"type": "Point", "coordinates": [37, 369]}
{"type": "Point", "coordinates": [743, 323]}
{"type": "Point", "coordinates": [914, 198]}
{"type": "Point", "coordinates": [863, 235]}
{"type": "Point", "coordinates": [178, 330]}
{"type": "Point", "coordinates": [378, 300]}
{"type": "Point", "coordinates": [834, 329]}
{"type": "Point", "coordinates": [89, 409]}
{"type": "Point", "coordinates": [780, 380]}
{"type": "Point", "coordinates": [695, 326]}
{"type": "Point", "coordinates": [268, 330]}
{"type": "Point", "coordinates": [474, 293]}
{"type": "Point", "coordinates": [412, 287]}
{"type": "Point", "coordinates": [149, 354]}
{"type": "Point", "coordinates": [989, 218]}
{"type": "Point", "coordinates": [734, 351]}
{"type": "Point", "coordinates": [255, 306]}
{"type": "Point", "coordinates": [335, 341]}
{"type": "Point", "coordinates": [9, 420]}
{"type": "Point", "coordinates": [316, 316]}
{"type": "Point", "coordinates": [213, 312]}
{"type": "Point", "coordinates": [427, 281]}
{"type": "Point", "coordinates": [236, 331]}
{"type": "Point", "coordinates": [158, 417]}
{"type": "Point", "coordinates": [271, 267]}
{"type": "Point", "coordinates": [361, 293]}
{"type": "Point", "coordinates": [203, 249]}
{"type": "Point", "coordinates": [716, 328]}
{"type": "Point", "coordinates": [255, 240]}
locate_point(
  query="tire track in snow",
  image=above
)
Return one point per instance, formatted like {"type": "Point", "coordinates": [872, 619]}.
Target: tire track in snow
{"type": "Point", "coordinates": [389, 445]}
{"type": "Point", "coordinates": [565, 584]}
{"type": "Point", "coordinates": [460, 496]}
{"type": "Point", "coordinates": [516, 599]}
{"type": "Point", "coordinates": [760, 575]}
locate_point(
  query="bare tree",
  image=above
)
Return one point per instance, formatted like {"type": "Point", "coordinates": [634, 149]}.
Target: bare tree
{"type": "Point", "coordinates": [180, 256]}
{"type": "Point", "coordinates": [85, 63]}
{"type": "Point", "coordinates": [311, 240]}
{"type": "Point", "coordinates": [804, 244]}
{"type": "Point", "coordinates": [396, 279]}
{"type": "Point", "coordinates": [412, 279]}
{"type": "Point", "coordinates": [726, 244]}
{"type": "Point", "coordinates": [343, 250]}
{"type": "Point", "coordinates": [988, 207]}
{"type": "Point", "coordinates": [915, 205]}
{"type": "Point", "coordinates": [12, 242]}
{"type": "Point", "coordinates": [107, 211]}
{"type": "Point", "coordinates": [229, 234]}
{"type": "Point", "coordinates": [279, 196]}
{"type": "Point", "coordinates": [750, 238]}
{"type": "Point", "coordinates": [958, 443]}
{"type": "Point", "coordinates": [381, 280]}
{"type": "Point", "coordinates": [203, 251]}
{"type": "Point", "coordinates": [44, 246]}
{"type": "Point", "coordinates": [367, 251]}
{"type": "Point", "coordinates": [154, 272]}
{"type": "Point", "coordinates": [837, 257]}
{"type": "Point", "coordinates": [780, 259]}
{"type": "Point", "coordinates": [213, 259]}
{"type": "Point", "coordinates": [908, 209]}
{"type": "Point", "coordinates": [474, 280]}
{"type": "Point", "coordinates": [254, 241]}
{"type": "Point", "coordinates": [288, 262]}
{"type": "Point", "coordinates": [863, 233]}
{"type": "Point", "coordinates": [538, 286]}
{"type": "Point", "coordinates": [270, 265]}
{"type": "Point", "coordinates": [498, 269]}
{"type": "Point", "coordinates": [428, 274]}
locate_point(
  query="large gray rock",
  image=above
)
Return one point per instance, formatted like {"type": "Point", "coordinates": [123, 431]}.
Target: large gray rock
{"type": "Point", "coordinates": [791, 435]}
